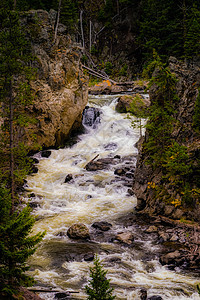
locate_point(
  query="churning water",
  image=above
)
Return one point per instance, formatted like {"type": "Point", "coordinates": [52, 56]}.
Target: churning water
{"type": "Point", "coordinates": [96, 196]}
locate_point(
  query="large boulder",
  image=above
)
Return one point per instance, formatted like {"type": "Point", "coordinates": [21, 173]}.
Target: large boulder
{"type": "Point", "coordinates": [136, 103]}
{"type": "Point", "coordinates": [78, 231]}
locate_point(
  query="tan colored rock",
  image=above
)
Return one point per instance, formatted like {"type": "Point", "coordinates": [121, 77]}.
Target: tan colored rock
{"type": "Point", "coordinates": [125, 237]}
{"type": "Point", "coordinates": [78, 231]}
{"type": "Point", "coordinates": [151, 229]}
{"type": "Point", "coordinates": [60, 88]}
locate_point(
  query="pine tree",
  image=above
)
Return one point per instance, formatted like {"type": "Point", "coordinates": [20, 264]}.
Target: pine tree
{"type": "Point", "coordinates": [192, 39]}
{"type": "Point", "coordinates": [15, 97]}
{"type": "Point", "coordinates": [99, 285]}
{"type": "Point", "coordinates": [15, 92]}
{"type": "Point", "coordinates": [161, 119]}
{"type": "Point", "coordinates": [16, 245]}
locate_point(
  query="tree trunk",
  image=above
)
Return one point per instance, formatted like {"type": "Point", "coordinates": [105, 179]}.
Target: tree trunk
{"type": "Point", "coordinates": [82, 33]}
{"type": "Point", "coordinates": [14, 6]}
{"type": "Point", "coordinates": [11, 146]}
{"type": "Point", "coordinates": [57, 20]}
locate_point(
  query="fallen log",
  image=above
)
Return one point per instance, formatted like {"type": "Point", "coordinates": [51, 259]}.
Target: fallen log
{"type": "Point", "coordinates": [91, 160]}
{"type": "Point", "coordinates": [50, 291]}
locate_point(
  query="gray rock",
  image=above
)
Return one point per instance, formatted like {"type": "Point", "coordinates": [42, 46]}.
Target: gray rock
{"type": "Point", "coordinates": [104, 226]}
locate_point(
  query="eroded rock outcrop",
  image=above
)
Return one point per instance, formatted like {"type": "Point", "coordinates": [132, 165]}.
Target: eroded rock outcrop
{"type": "Point", "coordinates": [188, 81]}
{"type": "Point", "coordinates": [60, 88]}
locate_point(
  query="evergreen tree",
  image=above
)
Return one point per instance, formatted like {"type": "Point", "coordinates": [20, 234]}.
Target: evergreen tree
{"type": "Point", "coordinates": [16, 245]}
{"type": "Point", "coordinates": [15, 97]}
{"type": "Point", "coordinates": [99, 285]}
{"type": "Point", "coordinates": [162, 109]}
{"type": "Point", "coordinates": [192, 40]}
{"type": "Point", "coordinates": [15, 92]}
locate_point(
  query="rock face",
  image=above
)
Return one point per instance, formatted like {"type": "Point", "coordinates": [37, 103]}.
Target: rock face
{"type": "Point", "coordinates": [188, 81]}
{"type": "Point", "coordinates": [60, 88]}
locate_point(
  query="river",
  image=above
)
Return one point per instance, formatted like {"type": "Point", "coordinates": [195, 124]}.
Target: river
{"type": "Point", "coordinates": [95, 196]}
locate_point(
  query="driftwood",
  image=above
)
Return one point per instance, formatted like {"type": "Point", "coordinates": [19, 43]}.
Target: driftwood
{"type": "Point", "coordinates": [50, 291]}
{"type": "Point", "coordinates": [91, 160]}
{"type": "Point", "coordinates": [97, 74]}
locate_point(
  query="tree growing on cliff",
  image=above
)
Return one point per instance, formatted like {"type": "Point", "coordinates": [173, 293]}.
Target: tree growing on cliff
{"type": "Point", "coordinates": [99, 286]}
{"type": "Point", "coordinates": [16, 96]}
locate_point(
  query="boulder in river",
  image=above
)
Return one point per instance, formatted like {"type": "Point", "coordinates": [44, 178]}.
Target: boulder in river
{"type": "Point", "coordinates": [170, 258]}
{"type": "Point", "coordinates": [125, 237]}
{"type": "Point", "coordinates": [68, 178]}
{"type": "Point", "coordinates": [136, 103]}
{"type": "Point", "coordinates": [104, 226]}
{"type": "Point", "coordinates": [46, 153]}
{"type": "Point", "coordinates": [78, 231]}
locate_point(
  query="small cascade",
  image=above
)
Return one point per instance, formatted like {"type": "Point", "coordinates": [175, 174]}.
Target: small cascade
{"type": "Point", "coordinates": [91, 117]}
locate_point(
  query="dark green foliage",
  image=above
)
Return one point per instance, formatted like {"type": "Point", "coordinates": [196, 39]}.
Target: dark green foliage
{"type": "Point", "coordinates": [108, 68]}
{"type": "Point", "coordinates": [161, 118]}
{"type": "Point", "coordinates": [171, 27]}
{"type": "Point", "coordinates": [192, 40]}
{"type": "Point", "coordinates": [69, 14]}
{"type": "Point", "coordinates": [15, 93]}
{"type": "Point", "coordinates": [16, 245]}
{"type": "Point", "coordinates": [196, 118]}
{"type": "Point", "coordinates": [99, 285]}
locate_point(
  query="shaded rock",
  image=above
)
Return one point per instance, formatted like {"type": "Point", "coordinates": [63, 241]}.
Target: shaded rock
{"type": "Point", "coordinates": [151, 229]}
{"type": "Point", "coordinates": [34, 204]}
{"type": "Point", "coordinates": [119, 172]}
{"type": "Point", "coordinates": [174, 238]}
{"type": "Point", "coordinates": [34, 169]}
{"type": "Point", "coordinates": [170, 258]}
{"type": "Point", "coordinates": [68, 178]}
{"type": "Point", "coordinates": [141, 203]}
{"type": "Point", "coordinates": [104, 226]}
{"type": "Point", "coordinates": [62, 295]}
{"type": "Point", "coordinates": [28, 295]}
{"type": "Point", "coordinates": [35, 160]}
{"type": "Point", "coordinates": [125, 237]}
{"type": "Point", "coordinates": [130, 192]}
{"type": "Point", "coordinates": [110, 146]}
{"type": "Point", "coordinates": [89, 256]}
{"type": "Point", "coordinates": [31, 195]}
{"type": "Point", "coordinates": [129, 175]}
{"type": "Point", "coordinates": [46, 153]}
{"type": "Point", "coordinates": [78, 231]}
{"type": "Point", "coordinates": [143, 296]}
{"type": "Point", "coordinates": [164, 236]}
{"type": "Point", "coordinates": [100, 164]}
{"type": "Point", "coordinates": [117, 156]}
